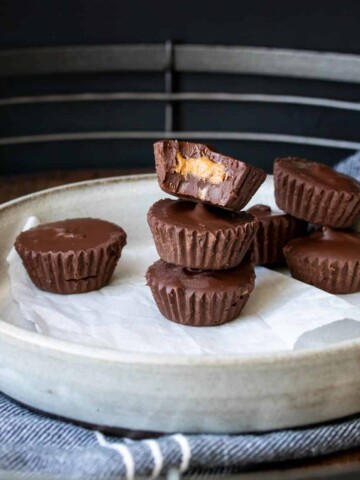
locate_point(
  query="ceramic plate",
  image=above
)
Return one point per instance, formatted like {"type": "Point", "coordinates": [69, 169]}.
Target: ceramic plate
{"type": "Point", "coordinates": [166, 393]}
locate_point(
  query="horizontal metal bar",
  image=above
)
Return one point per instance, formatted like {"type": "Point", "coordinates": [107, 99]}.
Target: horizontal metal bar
{"type": "Point", "coordinates": [187, 58]}
{"type": "Point", "coordinates": [97, 58]}
{"type": "Point", "coordinates": [268, 61]}
{"type": "Point", "coordinates": [151, 135]}
{"type": "Point", "coordinates": [179, 97]}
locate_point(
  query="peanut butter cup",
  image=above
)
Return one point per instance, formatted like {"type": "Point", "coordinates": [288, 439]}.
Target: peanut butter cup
{"type": "Point", "coordinates": [71, 256]}
{"type": "Point", "coordinates": [328, 259]}
{"type": "Point", "coordinates": [200, 236]}
{"type": "Point", "coordinates": [195, 172]}
{"type": "Point", "coordinates": [275, 230]}
{"type": "Point", "coordinates": [316, 193]}
{"type": "Point", "coordinates": [204, 298]}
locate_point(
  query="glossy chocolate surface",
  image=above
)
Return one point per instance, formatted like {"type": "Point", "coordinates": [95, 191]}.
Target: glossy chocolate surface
{"type": "Point", "coordinates": [317, 173]}
{"type": "Point", "coordinates": [189, 214]}
{"type": "Point", "coordinates": [329, 244]}
{"type": "Point", "coordinates": [70, 235]}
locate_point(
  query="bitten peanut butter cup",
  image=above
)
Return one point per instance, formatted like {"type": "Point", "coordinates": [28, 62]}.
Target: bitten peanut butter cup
{"type": "Point", "coordinates": [195, 172]}
{"type": "Point", "coordinates": [200, 236]}
{"type": "Point", "coordinates": [327, 259]}
{"type": "Point", "coordinates": [200, 298]}
{"type": "Point", "coordinates": [275, 230]}
{"type": "Point", "coordinates": [316, 193]}
{"type": "Point", "coordinates": [71, 256]}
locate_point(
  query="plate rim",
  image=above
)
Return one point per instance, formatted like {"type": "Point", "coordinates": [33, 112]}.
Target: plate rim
{"type": "Point", "coordinates": [56, 346]}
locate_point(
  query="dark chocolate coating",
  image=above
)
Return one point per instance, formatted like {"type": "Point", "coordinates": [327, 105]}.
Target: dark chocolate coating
{"type": "Point", "coordinates": [316, 193]}
{"type": "Point", "coordinates": [200, 298]}
{"type": "Point", "coordinates": [328, 259]}
{"type": "Point", "coordinates": [318, 174]}
{"type": "Point", "coordinates": [69, 235]}
{"type": "Point", "coordinates": [261, 211]}
{"type": "Point", "coordinates": [231, 187]}
{"type": "Point", "coordinates": [274, 232]}
{"type": "Point", "coordinates": [71, 256]}
{"type": "Point", "coordinates": [199, 236]}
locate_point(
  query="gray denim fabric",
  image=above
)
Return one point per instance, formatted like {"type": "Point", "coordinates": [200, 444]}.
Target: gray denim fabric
{"type": "Point", "coordinates": [33, 444]}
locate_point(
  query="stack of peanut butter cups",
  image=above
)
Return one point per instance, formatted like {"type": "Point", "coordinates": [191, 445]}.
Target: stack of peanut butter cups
{"type": "Point", "coordinates": [205, 274]}
{"type": "Point", "coordinates": [328, 258]}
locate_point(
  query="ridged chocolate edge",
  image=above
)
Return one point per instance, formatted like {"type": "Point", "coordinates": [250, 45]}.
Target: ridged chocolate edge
{"type": "Point", "coordinates": [272, 236]}
{"type": "Point", "coordinates": [72, 272]}
{"type": "Point", "coordinates": [313, 204]}
{"type": "Point", "coordinates": [200, 310]}
{"type": "Point", "coordinates": [202, 250]}
{"type": "Point", "coordinates": [333, 277]}
{"type": "Point", "coordinates": [246, 186]}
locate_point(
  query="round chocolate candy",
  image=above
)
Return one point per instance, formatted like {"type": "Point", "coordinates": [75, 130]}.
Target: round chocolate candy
{"type": "Point", "coordinates": [328, 259]}
{"type": "Point", "coordinates": [71, 256]}
{"type": "Point", "coordinates": [199, 236]}
{"type": "Point", "coordinates": [200, 298]}
{"type": "Point", "coordinates": [316, 193]}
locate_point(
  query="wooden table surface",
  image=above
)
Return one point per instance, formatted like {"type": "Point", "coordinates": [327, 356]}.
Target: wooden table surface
{"type": "Point", "coordinates": [17, 185]}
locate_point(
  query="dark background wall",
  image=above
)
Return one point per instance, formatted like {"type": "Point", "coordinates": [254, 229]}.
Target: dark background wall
{"type": "Point", "coordinates": [315, 25]}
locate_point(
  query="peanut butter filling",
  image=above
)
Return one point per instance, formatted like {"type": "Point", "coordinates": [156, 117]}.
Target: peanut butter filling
{"type": "Point", "coordinates": [202, 168]}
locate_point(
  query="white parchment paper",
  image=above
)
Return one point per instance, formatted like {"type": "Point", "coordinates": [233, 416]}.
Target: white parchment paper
{"type": "Point", "coordinates": [124, 316]}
